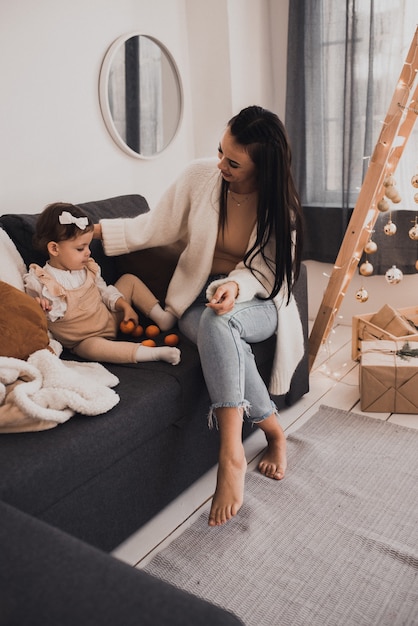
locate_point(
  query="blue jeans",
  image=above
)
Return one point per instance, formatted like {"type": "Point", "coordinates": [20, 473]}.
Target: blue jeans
{"type": "Point", "coordinates": [228, 363]}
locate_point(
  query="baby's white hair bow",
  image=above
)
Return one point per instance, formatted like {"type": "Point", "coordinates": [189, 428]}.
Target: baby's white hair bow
{"type": "Point", "coordinates": [67, 218]}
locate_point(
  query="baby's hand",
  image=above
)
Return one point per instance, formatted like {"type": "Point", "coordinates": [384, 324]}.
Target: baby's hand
{"type": "Point", "coordinates": [130, 314]}
{"type": "Point", "coordinates": [44, 303]}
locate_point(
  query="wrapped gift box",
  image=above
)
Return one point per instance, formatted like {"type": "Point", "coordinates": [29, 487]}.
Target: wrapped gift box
{"type": "Point", "coordinates": [387, 323]}
{"type": "Point", "coordinates": [388, 381]}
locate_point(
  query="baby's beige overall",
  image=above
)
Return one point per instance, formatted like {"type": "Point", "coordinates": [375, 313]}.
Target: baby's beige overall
{"type": "Point", "coordinates": [88, 328]}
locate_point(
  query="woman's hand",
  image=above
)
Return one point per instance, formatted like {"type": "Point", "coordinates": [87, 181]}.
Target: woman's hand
{"type": "Point", "coordinates": [224, 298]}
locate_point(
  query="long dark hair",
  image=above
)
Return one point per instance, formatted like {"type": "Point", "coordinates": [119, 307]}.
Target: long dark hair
{"type": "Point", "coordinates": [279, 212]}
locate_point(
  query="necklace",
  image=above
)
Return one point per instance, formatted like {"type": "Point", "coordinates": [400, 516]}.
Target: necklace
{"type": "Point", "coordinates": [239, 202]}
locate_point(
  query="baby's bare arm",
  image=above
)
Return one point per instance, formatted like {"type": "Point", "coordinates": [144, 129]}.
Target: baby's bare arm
{"type": "Point", "coordinates": [128, 312]}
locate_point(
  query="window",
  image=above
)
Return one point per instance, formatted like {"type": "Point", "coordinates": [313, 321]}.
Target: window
{"type": "Point", "coordinates": [344, 63]}
{"type": "Point", "coordinates": [350, 55]}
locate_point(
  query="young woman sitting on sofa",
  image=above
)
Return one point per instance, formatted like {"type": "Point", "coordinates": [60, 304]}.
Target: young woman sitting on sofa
{"type": "Point", "coordinates": [239, 221]}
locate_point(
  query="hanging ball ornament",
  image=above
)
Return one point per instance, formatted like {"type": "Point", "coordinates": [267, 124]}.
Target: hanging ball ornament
{"type": "Point", "coordinates": [383, 205]}
{"type": "Point", "coordinates": [390, 189]}
{"type": "Point", "coordinates": [362, 295]}
{"type": "Point", "coordinates": [393, 275]}
{"type": "Point", "coordinates": [389, 181]}
{"type": "Point", "coordinates": [390, 228]}
{"type": "Point", "coordinates": [366, 269]}
{"type": "Point", "coordinates": [370, 247]}
{"type": "Point", "coordinates": [413, 233]}
{"type": "Point", "coordinates": [416, 265]}
{"type": "Point", "coordinates": [392, 193]}
{"type": "Point", "coordinates": [416, 198]}
{"type": "Point", "coordinates": [414, 181]}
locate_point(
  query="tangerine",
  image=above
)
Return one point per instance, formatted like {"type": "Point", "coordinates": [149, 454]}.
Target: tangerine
{"type": "Point", "coordinates": [152, 331]}
{"type": "Point", "coordinates": [127, 326]}
{"type": "Point", "coordinates": [138, 331]}
{"type": "Point", "coordinates": [171, 340]}
{"type": "Point", "coordinates": [150, 343]}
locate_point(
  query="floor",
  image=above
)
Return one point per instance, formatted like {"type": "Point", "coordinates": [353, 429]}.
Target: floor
{"type": "Point", "coordinates": [333, 381]}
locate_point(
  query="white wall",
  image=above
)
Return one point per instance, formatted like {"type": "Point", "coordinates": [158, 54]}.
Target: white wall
{"type": "Point", "coordinates": [234, 62]}
{"type": "Point", "coordinates": [54, 144]}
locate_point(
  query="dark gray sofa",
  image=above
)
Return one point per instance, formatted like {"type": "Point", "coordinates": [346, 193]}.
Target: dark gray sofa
{"type": "Point", "coordinates": [89, 483]}
{"type": "Point", "coordinates": [48, 578]}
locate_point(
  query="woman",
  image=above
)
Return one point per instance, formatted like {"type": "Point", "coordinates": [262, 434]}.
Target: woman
{"type": "Point", "coordinates": [240, 229]}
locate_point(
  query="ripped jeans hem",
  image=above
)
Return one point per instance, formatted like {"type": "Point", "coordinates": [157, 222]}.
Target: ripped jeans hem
{"type": "Point", "coordinates": [246, 406]}
{"type": "Point", "coordinates": [212, 420]}
{"type": "Point", "coordinates": [274, 410]}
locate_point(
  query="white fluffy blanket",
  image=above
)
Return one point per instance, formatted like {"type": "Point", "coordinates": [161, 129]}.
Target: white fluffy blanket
{"type": "Point", "coordinates": [53, 390]}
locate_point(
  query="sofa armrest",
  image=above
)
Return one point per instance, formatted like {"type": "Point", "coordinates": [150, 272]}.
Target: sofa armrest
{"type": "Point", "coordinates": [48, 578]}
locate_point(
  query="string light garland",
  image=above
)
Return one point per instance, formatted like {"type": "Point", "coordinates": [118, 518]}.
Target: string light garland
{"type": "Point", "coordinates": [372, 198]}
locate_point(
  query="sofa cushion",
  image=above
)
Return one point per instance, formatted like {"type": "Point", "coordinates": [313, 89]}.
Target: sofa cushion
{"type": "Point", "coordinates": [154, 266]}
{"type": "Point", "coordinates": [12, 267]}
{"type": "Point", "coordinates": [23, 326]}
{"type": "Point", "coordinates": [21, 227]}
{"type": "Point", "coordinates": [154, 397]}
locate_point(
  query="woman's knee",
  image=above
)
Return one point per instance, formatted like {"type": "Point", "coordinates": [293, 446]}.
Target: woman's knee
{"type": "Point", "coordinates": [189, 323]}
{"type": "Point", "coordinates": [212, 325]}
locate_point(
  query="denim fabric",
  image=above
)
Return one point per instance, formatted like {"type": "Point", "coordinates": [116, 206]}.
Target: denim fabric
{"type": "Point", "coordinates": [228, 363]}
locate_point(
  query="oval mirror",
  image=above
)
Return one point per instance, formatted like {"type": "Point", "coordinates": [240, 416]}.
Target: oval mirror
{"type": "Point", "coordinates": [140, 95]}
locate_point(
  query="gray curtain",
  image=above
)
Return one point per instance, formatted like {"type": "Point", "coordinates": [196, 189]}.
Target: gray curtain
{"type": "Point", "coordinates": [344, 61]}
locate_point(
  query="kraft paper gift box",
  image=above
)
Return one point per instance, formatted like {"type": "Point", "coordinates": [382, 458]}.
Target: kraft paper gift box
{"type": "Point", "coordinates": [392, 321]}
{"type": "Point", "coordinates": [387, 323]}
{"type": "Point", "coordinates": [388, 381]}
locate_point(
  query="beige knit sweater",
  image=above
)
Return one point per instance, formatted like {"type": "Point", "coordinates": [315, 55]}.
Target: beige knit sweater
{"type": "Point", "coordinates": [187, 214]}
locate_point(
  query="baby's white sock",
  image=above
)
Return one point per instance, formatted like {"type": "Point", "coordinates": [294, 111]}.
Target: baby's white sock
{"type": "Point", "coordinates": [163, 353]}
{"type": "Point", "coordinates": [164, 319]}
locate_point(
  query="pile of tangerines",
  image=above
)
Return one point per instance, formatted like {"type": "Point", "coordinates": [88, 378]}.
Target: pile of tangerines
{"type": "Point", "coordinates": [130, 328]}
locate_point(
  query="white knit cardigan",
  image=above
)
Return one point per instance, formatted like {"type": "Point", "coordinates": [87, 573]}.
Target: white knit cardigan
{"type": "Point", "coordinates": [188, 213]}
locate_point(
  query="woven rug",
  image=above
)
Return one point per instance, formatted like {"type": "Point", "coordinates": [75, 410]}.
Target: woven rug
{"type": "Point", "coordinates": [334, 543]}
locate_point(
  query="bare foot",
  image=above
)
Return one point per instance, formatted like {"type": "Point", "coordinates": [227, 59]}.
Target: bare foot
{"type": "Point", "coordinates": [273, 463]}
{"type": "Point", "coordinates": [229, 493]}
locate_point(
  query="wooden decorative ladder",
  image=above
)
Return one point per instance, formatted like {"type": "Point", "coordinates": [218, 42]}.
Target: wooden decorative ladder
{"type": "Point", "coordinates": [397, 126]}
